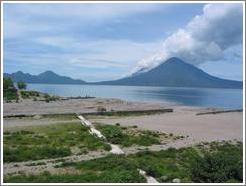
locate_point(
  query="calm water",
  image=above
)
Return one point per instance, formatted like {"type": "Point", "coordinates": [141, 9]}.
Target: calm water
{"type": "Point", "coordinates": [205, 97]}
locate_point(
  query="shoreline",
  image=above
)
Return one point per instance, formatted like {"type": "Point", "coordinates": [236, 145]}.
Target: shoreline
{"type": "Point", "coordinates": [89, 104]}
{"type": "Point", "coordinates": [202, 123]}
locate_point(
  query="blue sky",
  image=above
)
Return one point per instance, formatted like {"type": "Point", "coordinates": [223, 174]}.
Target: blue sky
{"type": "Point", "coordinates": [97, 42]}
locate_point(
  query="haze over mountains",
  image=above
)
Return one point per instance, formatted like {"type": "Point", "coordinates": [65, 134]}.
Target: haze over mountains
{"type": "Point", "coordinates": [173, 73]}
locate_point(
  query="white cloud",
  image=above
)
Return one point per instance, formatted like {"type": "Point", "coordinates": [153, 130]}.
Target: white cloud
{"type": "Point", "coordinates": [204, 38]}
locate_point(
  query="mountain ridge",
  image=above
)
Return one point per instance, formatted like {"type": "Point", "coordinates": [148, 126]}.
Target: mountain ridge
{"type": "Point", "coordinates": [48, 77]}
{"type": "Point", "coordinates": [174, 72]}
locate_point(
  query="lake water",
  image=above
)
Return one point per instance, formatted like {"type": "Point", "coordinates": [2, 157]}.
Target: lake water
{"type": "Point", "coordinates": [205, 97]}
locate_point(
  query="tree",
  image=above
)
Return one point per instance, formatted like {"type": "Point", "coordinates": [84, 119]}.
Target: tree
{"type": "Point", "coordinates": [7, 83]}
{"type": "Point", "coordinates": [21, 85]}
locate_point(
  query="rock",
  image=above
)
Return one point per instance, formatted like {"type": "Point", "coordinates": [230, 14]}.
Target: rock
{"type": "Point", "coordinates": [176, 180]}
{"type": "Point", "coordinates": [37, 117]}
{"type": "Point", "coordinates": [164, 178]}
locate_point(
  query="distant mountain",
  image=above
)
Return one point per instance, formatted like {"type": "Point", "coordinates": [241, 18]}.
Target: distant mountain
{"type": "Point", "coordinates": [47, 77]}
{"type": "Point", "coordinates": [175, 73]}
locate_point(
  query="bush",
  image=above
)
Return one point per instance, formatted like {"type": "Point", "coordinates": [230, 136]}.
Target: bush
{"type": "Point", "coordinates": [23, 153]}
{"type": "Point", "coordinates": [221, 166]}
{"type": "Point", "coordinates": [21, 85]}
{"type": "Point", "coordinates": [9, 91]}
{"type": "Point", "coordinates": [101, 109]}
{"type": "Point", "coordinates": [7, 83]}
{"type": "Point", "coordinates": [112, 133]}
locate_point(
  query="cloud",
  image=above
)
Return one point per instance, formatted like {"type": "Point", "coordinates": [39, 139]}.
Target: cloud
{"type": "Point", "coordinates": [205, 38]}
{"type": "Point", "coordinates": [60, 17]}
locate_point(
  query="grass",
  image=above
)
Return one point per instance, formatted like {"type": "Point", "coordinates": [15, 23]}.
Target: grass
{"type": "Point", "coordinates": [111, 169]}
{"type": "Point", "coordinates": [127, 136]}
{"type": "Point", "coordinates": [10, 94]}
{"type": "Point", "coordinates": [192, 164]}
{"type": "Point", "coordinates": [52, 141]}
{"type": "Point", "coordinates": [103, 112]}
{"type": "Point", "coordinates": [60, 116]}
{"type": "Point", "coordinates": [164, 165]}
{"type": "Point", "coordinates": [29, 94]}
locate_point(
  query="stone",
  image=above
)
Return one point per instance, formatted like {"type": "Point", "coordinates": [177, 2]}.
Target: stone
{"type": "Point", "coordinates": [176, 180]}
{"type": "Point", "coordinates": [37, 117]}
{"type": "Point", "coordinates": [164, 178]}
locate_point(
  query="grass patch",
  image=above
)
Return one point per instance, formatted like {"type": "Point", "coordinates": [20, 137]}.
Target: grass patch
{"type": "Point", "coordinates": [10, 94]}
{"type": "Point", "coordinates": [60, 116]}
{"type": "Point", "coordinates": [111, 169]}
{"type": "Point", "coordinates": [216, 162]}
{"type": "Point", "coordinates": [52, 141]}
{"type": "Point", "coordinates": [127, 136]}
{"type": "Point", "coordinates": [103, 112]}
{"type": "Point", "coordinates": [29, 94]}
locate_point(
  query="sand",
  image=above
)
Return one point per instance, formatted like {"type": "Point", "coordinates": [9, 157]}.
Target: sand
{"type": "Point", "coordinates": [74, 106]}
{"type": "Point", "coordinates": [184, 121]}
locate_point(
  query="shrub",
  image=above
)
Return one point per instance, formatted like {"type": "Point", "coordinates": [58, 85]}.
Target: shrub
{"type": "Point", "coordinates": [9, 91]}
{"type": "Point", "coordinates": [220, 166]}
{"type": "Point", "coordinates": [112, 133]}
{"type": "Point", "coordinates": [101, 109]}
{"type": "Point", "coordinates": [21, 85]}
{"type": "Point", "coordinates": [7, 83]}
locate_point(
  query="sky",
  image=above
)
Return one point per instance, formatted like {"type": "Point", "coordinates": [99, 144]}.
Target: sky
{"type": "Point", "coordinates": [106, 41]}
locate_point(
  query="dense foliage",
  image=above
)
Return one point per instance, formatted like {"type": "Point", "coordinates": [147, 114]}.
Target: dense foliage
{"type": "Point", "coordinates": [223, 165]}
{"type": "Point", "coordinates": [21, 85]}
{"type": "Point", "coordinates": [123, 136]}
{"type": "Point", "coordinates": [9, 91]}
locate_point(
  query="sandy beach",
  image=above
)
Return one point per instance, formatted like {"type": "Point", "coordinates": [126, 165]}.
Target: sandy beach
{"type": "Point", "coordinates": [182, 121]}
{"type": "Point", "coordinates": [30, 107]}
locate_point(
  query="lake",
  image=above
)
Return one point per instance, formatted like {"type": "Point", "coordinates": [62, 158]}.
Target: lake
{"type": "Point", "coordinates": [204, 97]}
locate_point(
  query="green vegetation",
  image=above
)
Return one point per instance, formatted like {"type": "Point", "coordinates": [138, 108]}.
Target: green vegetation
{"type": "Point", "coordinates": [49, 98]}
{"type": "Point", "coordinates": [51, 141]}
{"type": "Point", "coordinates": [29, 94]}
{"type": "Point", "coordinates": [60, 116]}
{"type": "Point", "coordinates": [103, 112]}
{"type": "Point", "coordinates": [223, 164]}
{"type": "Point", "coordinates": [9, 91]}
{"type": "Point", "coordinates": [101, 109]}
{"type": "Point", "coordinates": [127, 136]}
{"type": "Point", "coordinates": [217, 162]}
{"type": "Point", "coordinates": [214, 162]}
{"type": "Point", "coordinates": [21, 85]}
{"type": "Point", "coordinates": [111, 169]}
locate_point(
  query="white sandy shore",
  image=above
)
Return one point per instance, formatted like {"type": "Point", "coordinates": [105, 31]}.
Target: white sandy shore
{"type": "Point", "coordinates": [184, 121]}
